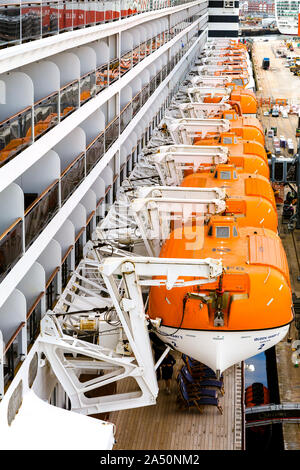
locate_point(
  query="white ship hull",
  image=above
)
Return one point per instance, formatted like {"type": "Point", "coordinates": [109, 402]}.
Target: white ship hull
{"type": "Point", "coordinates": [220, 350]}
{"type": "Point", "coordinates": [287, 17]}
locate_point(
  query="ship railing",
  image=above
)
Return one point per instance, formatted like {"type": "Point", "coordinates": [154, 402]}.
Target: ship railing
{"type": "Point", "coordinates": [95, 151]}
{"type": "Point", "coordinates": [125, 116]}
{"type": "Point", "coordinates": [40, 212]}
{"type": "Point", "coordinates": [15, 134]}
{"type": "Point", "coordinates": [11, 246]}
{"type": "Point", "coordinates": [87, 86]}
{"type": "Point", "coordinates": [111, 132]}
{"type": "Point", "coordinates": [72, 176]}
{"type": "Point", "coordinates": [45, 114]}
{"type": "Point", "coordinates": [69, 98]}
{"type": "Point", "coordinates": [20, 22]}
{"type": "Point", "coordinates": [10, 356]}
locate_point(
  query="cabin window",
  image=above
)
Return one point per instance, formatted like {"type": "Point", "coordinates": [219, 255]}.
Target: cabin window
{"type": "Point", "coordinates": [228, 3]}
{"type": "Point", "coordinates": [225, 175]}
{"type": "Point", "coordinates": [222, 232]}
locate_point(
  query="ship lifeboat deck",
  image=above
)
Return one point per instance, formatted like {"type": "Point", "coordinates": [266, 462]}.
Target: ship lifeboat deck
{"type": "Point", "coordinates": [166, 426]}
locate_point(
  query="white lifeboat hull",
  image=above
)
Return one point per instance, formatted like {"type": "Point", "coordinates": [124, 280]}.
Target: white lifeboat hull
{"type": "Point", "coordinates": [220, 350]}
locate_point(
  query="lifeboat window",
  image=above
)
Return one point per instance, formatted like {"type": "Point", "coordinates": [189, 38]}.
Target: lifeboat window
{"type": "Point", "coordinates": [225, 175]}
{"type": "Point", "coordinates": [222, 232]}
{"type": "Point", "coordinates": [227, 140]}
{"type": "Point", "coordinates": [234, 175]}
{"type": "Point", "coordinates": [210, 231]}
{"type": "Point", "coordinates": [229, 116]}
{"type": "Point", "coordinates": [238, 81]}
{"type": "Point", "coordinates": [235, 234]}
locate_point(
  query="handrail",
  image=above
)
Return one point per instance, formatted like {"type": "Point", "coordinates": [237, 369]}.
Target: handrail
{"type": "Point", "coordinates": [67, 254]}
{"type": "Point", "coordinates": [46, 97]}
{"type": "Point", "coordinates": [112, 121]}
{"type": "Point", "coordinates": [52, 277]}
{"type": "Point", "coordinates": [107, 189]}
{"type": "Point", "coordinates": [69, 84]}
{"type": "Point", "coordinates": [32, 308]}
{"type": "Point", "coordinates": [79, 234]}
{"type": "Point", "coordinates": [72, 164]}
{"type": "Point", "coordinates": [99, 202]}
{"type": "Point", "coordinates": [90, 217]}
{"type": "Point", "coordinates": [15, 115]}
{"type": "Point", "coordinates": [11, 340]}
{"type": "Point", "coordinates": [40, 197]}
{"type": "Point", "coordinates": [10, 228]}
{"type": "Point", "coordinates": [93, 141]}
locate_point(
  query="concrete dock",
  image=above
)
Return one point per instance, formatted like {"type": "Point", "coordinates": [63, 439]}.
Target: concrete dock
{"type": "Point", "coordinates": [279, 83]}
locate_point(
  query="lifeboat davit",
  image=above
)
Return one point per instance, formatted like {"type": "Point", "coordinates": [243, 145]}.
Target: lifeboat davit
{"type": "Point", "coordinates": [250, 197]}
{"type": "Point", "coordinates": [249, 308]}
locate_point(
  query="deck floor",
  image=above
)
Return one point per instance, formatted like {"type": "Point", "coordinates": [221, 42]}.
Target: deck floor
{"type": "Point", "coordinates": [165, 426]}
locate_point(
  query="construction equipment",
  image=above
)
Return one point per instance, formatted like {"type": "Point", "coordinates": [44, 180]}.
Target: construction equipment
{"type": "Point", "coordinates": [266, 63]}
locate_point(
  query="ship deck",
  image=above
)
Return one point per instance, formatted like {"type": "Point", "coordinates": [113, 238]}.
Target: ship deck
{"type": "Point", "coordinates": [164, 426]}
{"type": "Point", "coordinates": [279, 82]}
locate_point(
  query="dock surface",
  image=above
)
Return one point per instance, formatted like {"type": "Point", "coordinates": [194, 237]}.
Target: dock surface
{"type": "Point", "coordinates": [165, 426]}
{"type": "Point", "coordinates": [279, 82]}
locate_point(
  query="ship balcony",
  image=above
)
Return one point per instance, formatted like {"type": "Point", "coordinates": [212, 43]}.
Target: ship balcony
{"type": "Point", "coordinates": [53, 194]}
{"type": "Point", "coordinates": [41, 206]}
{"type": "Point", "coordinates": [20, 130]}
{"type": "Point", "coordinates": [28, 21]}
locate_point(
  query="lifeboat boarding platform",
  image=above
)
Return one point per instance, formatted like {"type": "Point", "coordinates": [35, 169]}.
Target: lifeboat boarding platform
{"type": "Point", "coordinates": [279, 78]}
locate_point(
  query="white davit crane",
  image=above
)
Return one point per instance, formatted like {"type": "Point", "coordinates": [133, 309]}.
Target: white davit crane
{"type": "Point", "coordinates": [183, 131]}
{"type": "Point", "coordinates": [172, 160]}
{"type": "Point", "coordinates": [159, 210]}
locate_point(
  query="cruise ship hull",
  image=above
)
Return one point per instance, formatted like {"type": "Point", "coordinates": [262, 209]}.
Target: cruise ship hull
{"type": "Point", "coordinates": [287, 17]}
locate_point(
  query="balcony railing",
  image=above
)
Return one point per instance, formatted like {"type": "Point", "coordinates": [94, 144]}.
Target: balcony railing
{"type": "Point", "coordinates": [72, 176]}
{"type": "Point", "coordinates": [111, 133]}
{"type": "Point", "coordinates": [40, 212]}
{"type": "Point", "coordinates": [95, 151]}
{"type": "Point", "coordinates": [69, 98]}
{"type": "Point", "coordinates": [45, 114]}
{"type": "Point", "coordinates": [125, 116]}
{"type": "Point", "coordinates": [87, 87]}
{"type": "Point", "coordinates": [11, 246]}
{"type": "Point", "coordinates": [15, 135]}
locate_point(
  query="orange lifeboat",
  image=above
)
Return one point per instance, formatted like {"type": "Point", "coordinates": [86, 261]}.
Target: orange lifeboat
{"type": "Point", "coordinates": [245, 312]}
{"type": "Point", "coordinates": [250, 197]}
{"type": "Point", "coordinates": [245, 98]}
{"type": "Point", "coordinates": [247, 155]}
{"type": "Point", "coordinates": [248, 128]}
